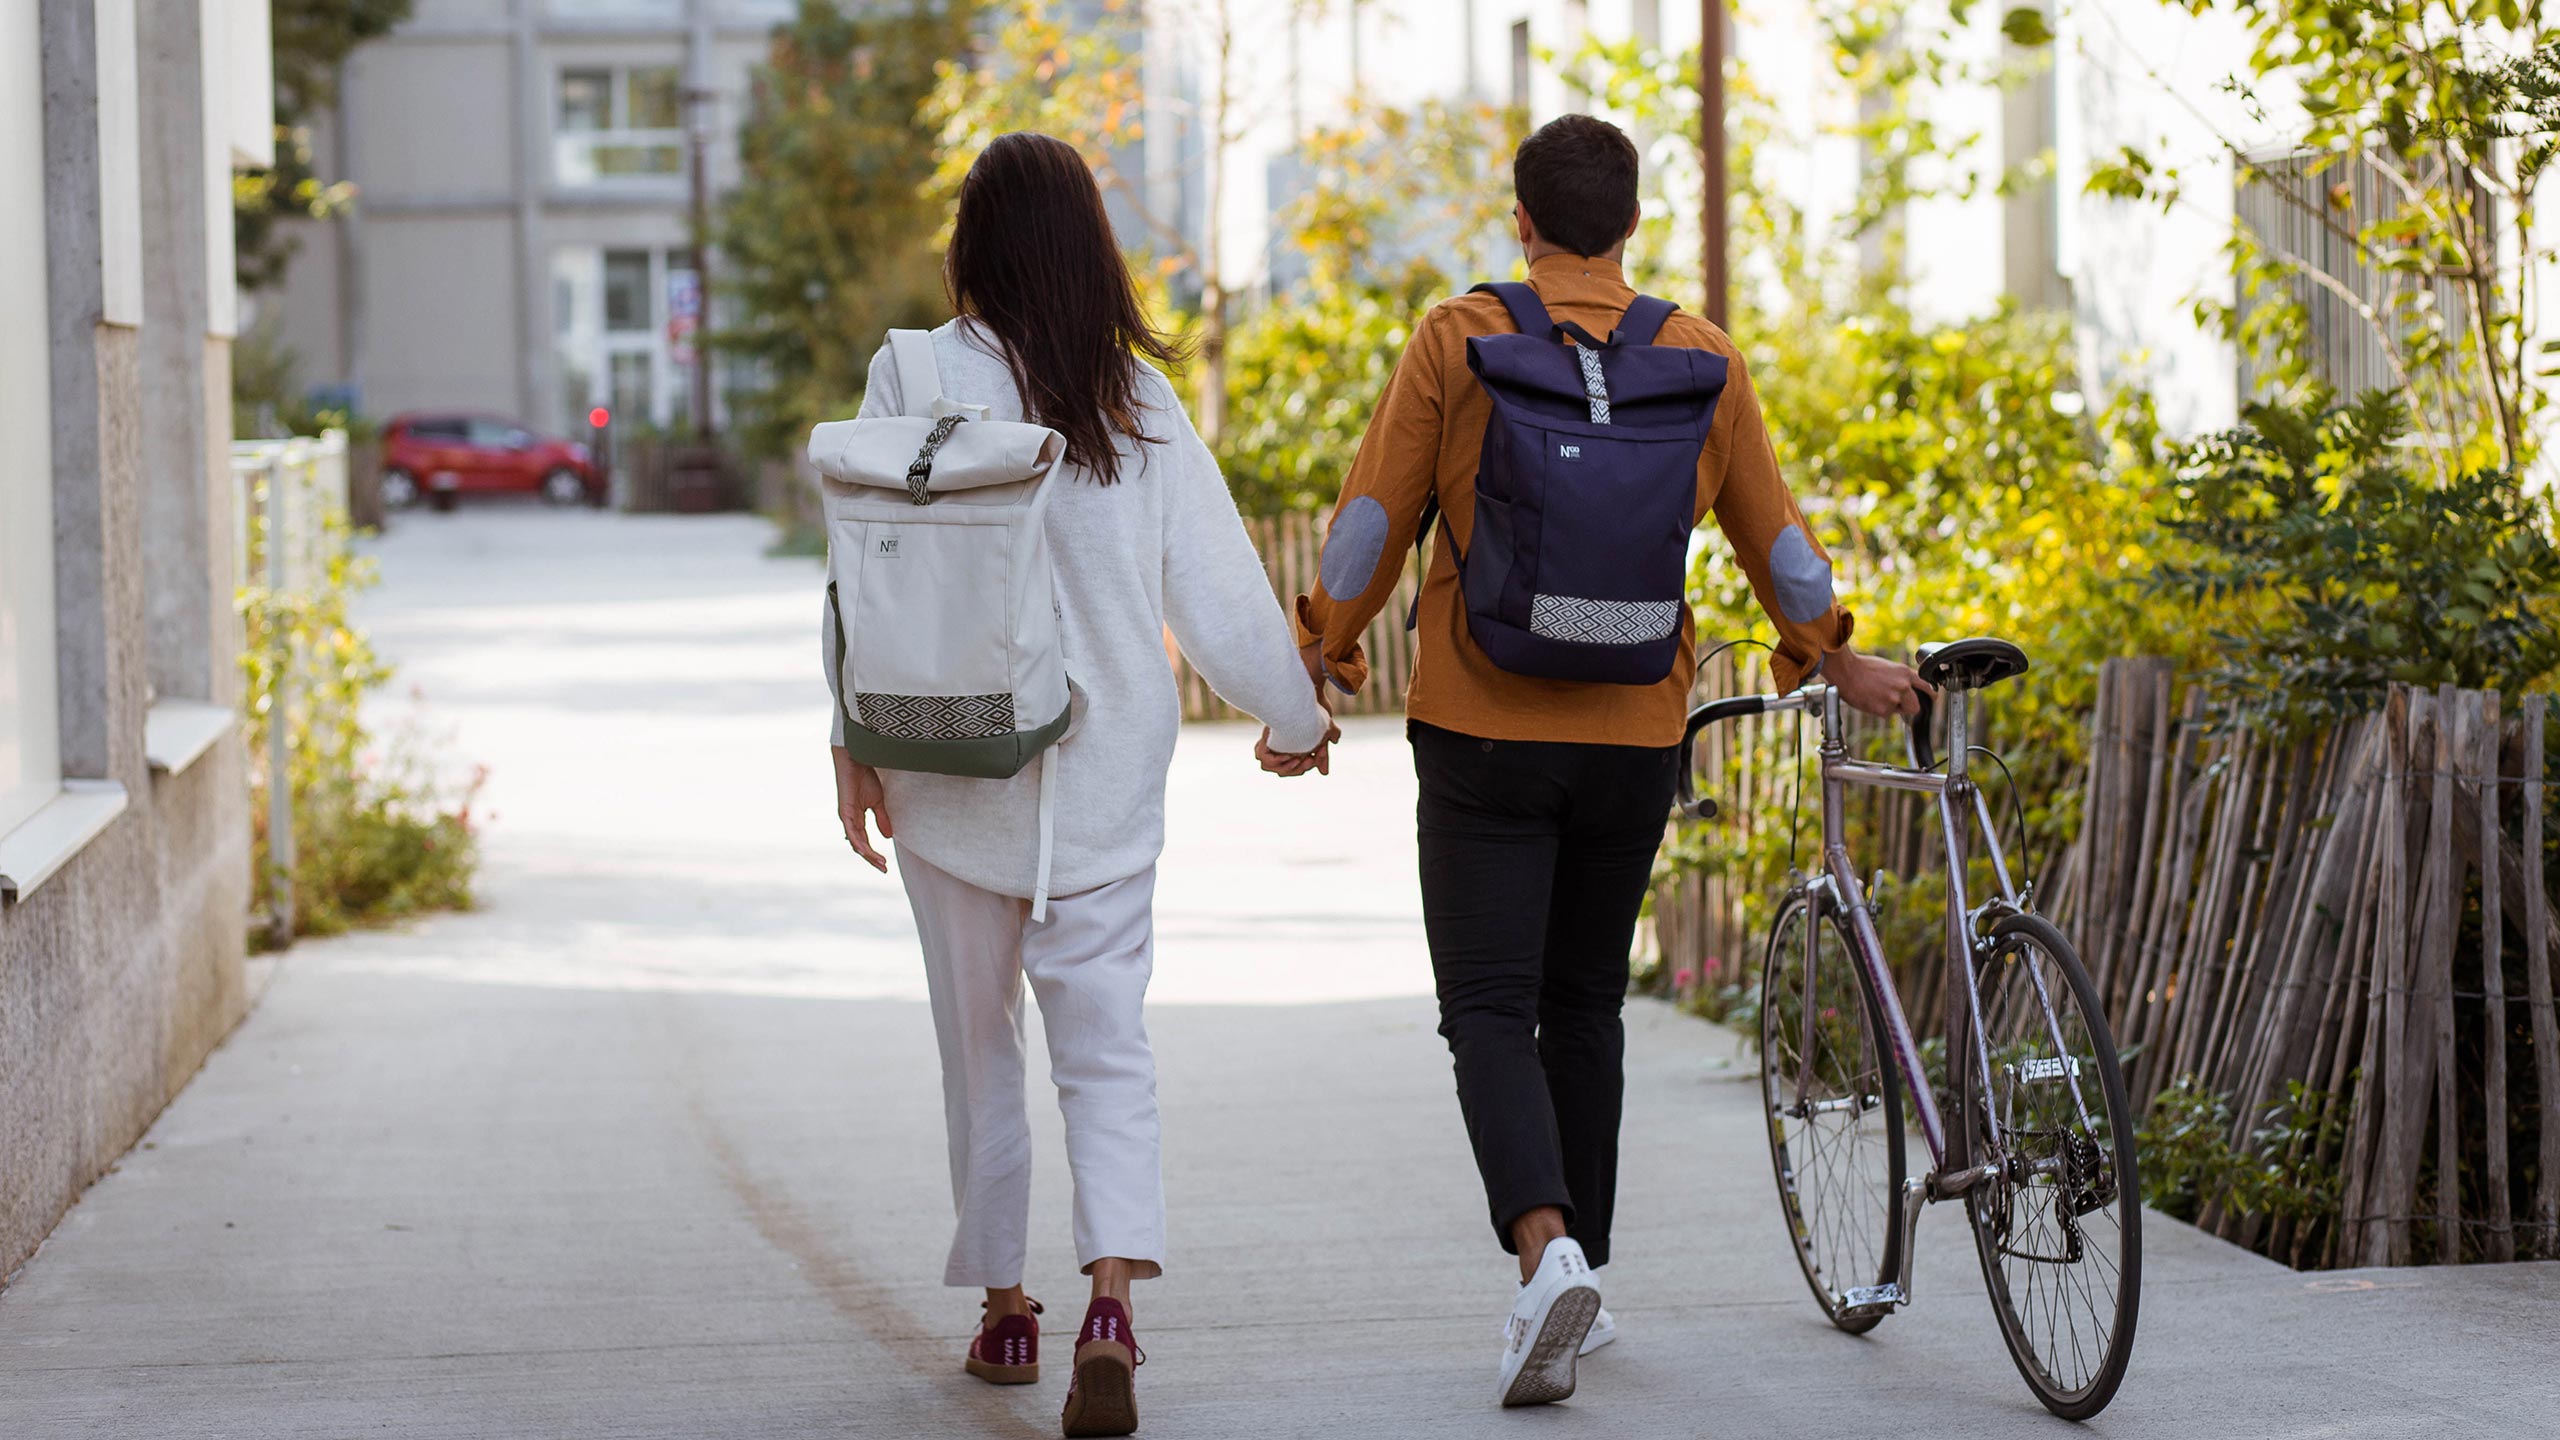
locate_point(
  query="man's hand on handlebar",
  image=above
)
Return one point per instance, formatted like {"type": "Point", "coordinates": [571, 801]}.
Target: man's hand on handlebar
{"type": "Point", "coordinates": [1875, 685]}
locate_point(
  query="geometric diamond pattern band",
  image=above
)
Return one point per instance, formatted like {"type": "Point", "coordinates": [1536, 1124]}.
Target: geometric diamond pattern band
{"type": "Point", "coordinates": [1602, 622]}
{"type": "Point", "coordinates": [936, 717]}
{"type": "Point", "coordinates": [1595, 385]}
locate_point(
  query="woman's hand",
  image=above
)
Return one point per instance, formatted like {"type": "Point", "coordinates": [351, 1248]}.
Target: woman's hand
{"type": "Point", "coordinates": [858, 798]}
{"type": "Point", "coordinates": [1286, 765]}
{"type": "Point", "coordinates": [1875, 685]}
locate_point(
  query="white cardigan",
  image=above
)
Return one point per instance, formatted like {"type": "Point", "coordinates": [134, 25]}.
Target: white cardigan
{"type": "Point", "coordinates": [1161, 547]}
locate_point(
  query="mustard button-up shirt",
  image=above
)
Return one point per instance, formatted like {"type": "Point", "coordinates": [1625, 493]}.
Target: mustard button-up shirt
{"type": "Point", "coordinates": [1426, 438]}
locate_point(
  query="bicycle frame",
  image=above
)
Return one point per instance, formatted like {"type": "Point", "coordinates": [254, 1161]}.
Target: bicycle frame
{"type": "Point", "coordinates": [1962, 811]}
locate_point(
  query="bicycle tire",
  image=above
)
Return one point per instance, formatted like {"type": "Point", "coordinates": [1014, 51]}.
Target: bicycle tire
{"type": "Point", "coordinates": [1829, 1230]}
{"type": "Point", "coordinates": [1994, 1208]}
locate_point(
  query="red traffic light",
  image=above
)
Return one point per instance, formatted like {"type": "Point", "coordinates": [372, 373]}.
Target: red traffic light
{"type": "Point", "coordinates": [599, 417]}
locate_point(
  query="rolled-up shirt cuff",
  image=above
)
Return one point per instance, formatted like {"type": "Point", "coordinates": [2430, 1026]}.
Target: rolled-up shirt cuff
{"type": "Point", "coordinates": [1346, 672]}
{"type": "Point", "coordinates": [1791, 668]}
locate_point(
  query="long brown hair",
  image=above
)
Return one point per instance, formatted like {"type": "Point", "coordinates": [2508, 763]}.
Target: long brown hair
{"type": "Point", "coordinates": [1033, 259]}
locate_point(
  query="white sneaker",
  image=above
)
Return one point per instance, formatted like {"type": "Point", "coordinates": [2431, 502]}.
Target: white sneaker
{"type": "Point", "coordinates": [1604, 1328]}
{"type": "Point", "coordinates": [1549, 1323]}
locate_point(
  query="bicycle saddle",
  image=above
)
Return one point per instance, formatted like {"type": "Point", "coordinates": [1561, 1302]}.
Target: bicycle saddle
{"type": "Point", "coordinates": [1971, 664]}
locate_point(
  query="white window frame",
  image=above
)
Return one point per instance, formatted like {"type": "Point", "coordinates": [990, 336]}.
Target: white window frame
{"type": "Point", "coordinates": [573, 152]}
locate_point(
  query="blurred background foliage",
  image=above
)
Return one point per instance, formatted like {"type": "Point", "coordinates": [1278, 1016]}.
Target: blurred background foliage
{"type": "Point", "coordinates": [829, 241]}
{"type": "Point", "coordinates": [1963, 478]}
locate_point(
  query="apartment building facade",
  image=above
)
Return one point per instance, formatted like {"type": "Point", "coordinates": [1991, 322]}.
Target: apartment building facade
{"type": "Point", "coordinates": [521, 240]}
{"type": "Point", "coordinates": [124, 824]}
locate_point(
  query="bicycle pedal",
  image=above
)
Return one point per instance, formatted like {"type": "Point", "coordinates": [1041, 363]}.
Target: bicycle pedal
{"type": "Point", "coordinates": [1864, 1300]}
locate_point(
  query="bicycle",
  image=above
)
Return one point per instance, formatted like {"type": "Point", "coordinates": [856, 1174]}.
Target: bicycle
{"type": "Point", "coordinates": [2049, 1183]}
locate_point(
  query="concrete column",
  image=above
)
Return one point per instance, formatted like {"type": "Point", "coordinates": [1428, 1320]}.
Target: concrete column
{"type": "Point", "coordinates": [97, 583]}
{"type": "Point", "coordinates": [2030, 222]}
{"type": "Point", "coordinates": [177, 442]}
{"type": "Point", "coordinates": [532, 129]}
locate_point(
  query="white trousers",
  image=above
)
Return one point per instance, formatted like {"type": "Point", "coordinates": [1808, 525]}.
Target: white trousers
{"type": "Point", "coordinates": [1088, 964]}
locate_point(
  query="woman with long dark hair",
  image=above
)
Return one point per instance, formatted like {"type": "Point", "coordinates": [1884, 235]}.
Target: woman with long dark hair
{"type": "Point", "coordinates": [1144, 537]}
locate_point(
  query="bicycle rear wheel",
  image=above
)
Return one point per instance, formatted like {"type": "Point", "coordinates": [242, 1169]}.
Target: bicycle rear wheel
{"type": "Point", "coordinates": [2060, 1230]}
{"type": "Point", "coordinates": [1835, 1111]}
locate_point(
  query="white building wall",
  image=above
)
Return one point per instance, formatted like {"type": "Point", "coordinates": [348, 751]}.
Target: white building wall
{"type": "Point", "coordinates": [29, 757]}
{"type": "Point", "coordinates": [2133, 73]}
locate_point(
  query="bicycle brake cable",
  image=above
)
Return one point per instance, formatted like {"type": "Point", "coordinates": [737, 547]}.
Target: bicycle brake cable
{"type": "Point", "coordinates": [2017, 808]}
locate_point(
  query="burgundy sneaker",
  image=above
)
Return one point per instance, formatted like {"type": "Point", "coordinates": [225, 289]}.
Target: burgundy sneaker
{"type": "Point", "coordinates": [1102, 1396]}
{"type": "Point", "coordinates": [1008, 1351]}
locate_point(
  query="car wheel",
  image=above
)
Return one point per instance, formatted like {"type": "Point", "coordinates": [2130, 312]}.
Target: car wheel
{"type": "Point", "coordinates": [398, 490]}
{"type": "Point", "coordinates": [444, 500]}
{"type": "Point", "coordinates": [563, 487]}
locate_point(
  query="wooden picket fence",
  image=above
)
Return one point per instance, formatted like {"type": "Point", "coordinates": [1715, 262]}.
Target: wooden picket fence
{"type": "Point", "coordinates": [2364, 913]}
{"type": "Point", "coordinates": [2362, 917]}
{"type": "Point", "coordinates": [1290, 546]}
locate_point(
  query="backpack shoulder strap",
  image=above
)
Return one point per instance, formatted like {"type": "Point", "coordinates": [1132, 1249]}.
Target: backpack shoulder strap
{"type": "Point", "coordinates": [1527, 311]}
{"type": "Point", "coordinates": [1642, 321]}
{"type": "Point", "coordinates": [919, 378]}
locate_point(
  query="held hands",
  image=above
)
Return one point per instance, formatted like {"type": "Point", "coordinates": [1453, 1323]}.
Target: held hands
{"type": "Point", "coordinates": [858, 799]}
{"type": "Point", "coordinates": [1288, 766]}
{"type": "Point", "coordinates": [1320, 759]}
{"type": "Point", "coordinates": [1876, 685]}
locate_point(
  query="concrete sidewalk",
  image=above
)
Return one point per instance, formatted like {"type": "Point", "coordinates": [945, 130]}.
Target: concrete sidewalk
{"type": "Point", "coordinates": [651, 1145]}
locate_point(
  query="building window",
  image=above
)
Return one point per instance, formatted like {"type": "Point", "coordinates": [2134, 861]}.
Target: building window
{"type": "Point", "coordinates": [617, 123]}
{"type": "Point", "coordinates": [620, 336]}
{"type": "Point", "coordinates": [1520, 64]}
{"type": "Point", "coordinates": [30, 755]}
{"type": "Point", "coordinates": [2292, 204]}
{"type": "Point", "coordinates": [627, 291]}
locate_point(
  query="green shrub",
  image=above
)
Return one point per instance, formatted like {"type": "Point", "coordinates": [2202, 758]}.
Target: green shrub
{"type": "Point", "coordinates": [2347, 563]}
{"type": "Point", "coordinates": [2285, 1169]}
{"type": "Point", "coordinates": [377, 835]}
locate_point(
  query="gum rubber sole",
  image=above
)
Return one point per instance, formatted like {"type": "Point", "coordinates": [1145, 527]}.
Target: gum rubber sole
{"type": "Point", "coordinates": [995, 1374]}
{"type": "Point", "coordinates": [1105, 1398]}
{"type": "Point", "coordinates": [1548, 1374]}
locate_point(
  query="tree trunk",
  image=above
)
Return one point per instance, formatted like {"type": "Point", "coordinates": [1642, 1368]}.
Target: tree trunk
{"type": "Point", "coordinates": [1213, 362]}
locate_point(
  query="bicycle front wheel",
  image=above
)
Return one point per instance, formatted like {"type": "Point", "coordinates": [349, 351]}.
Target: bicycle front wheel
{"type": "Point", "coordinates": [2059, 1229]}
{"type": "Point", "coordinates": [1834, 1106]}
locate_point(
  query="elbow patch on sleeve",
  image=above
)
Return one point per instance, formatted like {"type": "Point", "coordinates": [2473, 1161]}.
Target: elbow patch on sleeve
{"type": "Point", "coordinates": [1354, 548]}
{"type": "Point", "coordinates": [1801, 576]}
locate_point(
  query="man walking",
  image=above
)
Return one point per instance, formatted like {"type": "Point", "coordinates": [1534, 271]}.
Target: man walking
{"type": "Point", "coordinates": [1543, 798]}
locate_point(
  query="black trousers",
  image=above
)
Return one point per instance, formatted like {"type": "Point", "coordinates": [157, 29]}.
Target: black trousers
{"type": "Point", "coordinates": [1535, 860]}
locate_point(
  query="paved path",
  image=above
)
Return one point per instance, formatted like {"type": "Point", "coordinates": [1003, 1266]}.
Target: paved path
{"type": "Point", "coordinates": [650, 1146]}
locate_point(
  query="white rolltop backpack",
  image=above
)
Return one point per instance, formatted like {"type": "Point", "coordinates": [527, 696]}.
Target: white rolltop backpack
{"type": "Point", "coordinates": [941, 588]}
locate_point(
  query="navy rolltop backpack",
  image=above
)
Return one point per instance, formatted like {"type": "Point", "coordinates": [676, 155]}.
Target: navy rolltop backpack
{"type": "Point", "coordinates": [1578, 567]}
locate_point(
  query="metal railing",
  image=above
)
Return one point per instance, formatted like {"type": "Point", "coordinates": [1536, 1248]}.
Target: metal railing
{"type": "Point", "coordinates": [286, 495]}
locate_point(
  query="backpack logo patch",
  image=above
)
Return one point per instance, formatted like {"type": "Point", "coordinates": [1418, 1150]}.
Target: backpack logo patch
{"type": "Point", "coordinates": [1568, 452]}
{"type": "Point", "coordinates": [887, 548]}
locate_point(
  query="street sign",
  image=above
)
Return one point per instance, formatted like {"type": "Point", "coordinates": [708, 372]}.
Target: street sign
{"type": "Point", "coordinates": [684, 314]}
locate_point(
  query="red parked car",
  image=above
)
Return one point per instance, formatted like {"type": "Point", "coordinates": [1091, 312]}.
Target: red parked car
{"type": "Point", "coordinates": [443, 455]}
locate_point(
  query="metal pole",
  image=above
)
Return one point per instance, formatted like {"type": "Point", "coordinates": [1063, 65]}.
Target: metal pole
{"type": "Point", "coordinates": [1713, 219]}
{"type": "Point", "coordinates": [699, 147]}
{"type": "Point", "coordinates": [280, 850]}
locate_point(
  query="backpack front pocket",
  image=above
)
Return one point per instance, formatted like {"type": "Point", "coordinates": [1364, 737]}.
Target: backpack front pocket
{"type": "Point", "coordinates": [901, 653]}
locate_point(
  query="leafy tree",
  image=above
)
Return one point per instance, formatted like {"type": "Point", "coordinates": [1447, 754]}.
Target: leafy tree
{"type": "Point", "coordinates": [1066, 71]}
{"type": "Point", "coordinates": [1397, 210]}
{"type": "Point", "coordinates": [828, 240]}
{"type": "Point", "coordinates": [312, 39]}
{"type": "Point", "coordinates": [2451, 110]}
